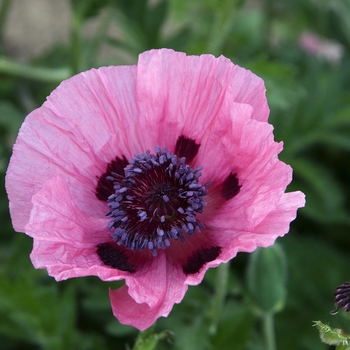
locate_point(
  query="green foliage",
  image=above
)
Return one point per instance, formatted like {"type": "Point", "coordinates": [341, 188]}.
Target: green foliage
{"type": "Point", "coordinates": [266, 280]}
{"type": "Point", "coordinates": [148, 340]}
{"type": "Point", "coordinates": [33, 309]}
{"type": "Point", "coordinates": [88, 8]}
{"type": "Point", "coordinates": [142, 26]}
{"type": "Point", "coordinates": [309, 102]}
{"type": "Point", "coordinates": [191, 322]}
{"type": "Point", "coordinates": [333, 336]}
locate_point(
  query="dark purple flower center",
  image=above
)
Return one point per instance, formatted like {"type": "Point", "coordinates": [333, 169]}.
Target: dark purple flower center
{"type": "Point", "coordinates": [155, 201]}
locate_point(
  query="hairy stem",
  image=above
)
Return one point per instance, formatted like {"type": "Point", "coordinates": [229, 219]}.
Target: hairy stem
{"type": "Point", "coordinates": [222, 274]}
{"type": "Point", "coordinates": [269, 331]}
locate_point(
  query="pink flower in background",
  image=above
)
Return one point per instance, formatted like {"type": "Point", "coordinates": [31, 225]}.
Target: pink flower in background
{"type": "Point", "coordinates": [150, 173]}
{"type": "Point", "coordinates": [321, 47]}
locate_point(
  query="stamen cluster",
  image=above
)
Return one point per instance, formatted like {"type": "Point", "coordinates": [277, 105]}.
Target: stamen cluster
{"type": "Point", "coordinates": [156, 200]}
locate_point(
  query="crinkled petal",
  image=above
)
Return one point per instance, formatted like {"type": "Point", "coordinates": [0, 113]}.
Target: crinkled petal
{"type": "Point", "coordinates": [85, 123]}
{"type": "Point", "coordinates": [250, 153]}
{"type": "Point", "coordinates": [246, 148]}
{"type": "Point", "coordinates": [65, 239]}
{"type": "Point", "coordinates": [128, 312]}
{"type": "Point", "coordinates": [253, 204]}
{"type": "Point", "coordinates": [232, 241]}
{"type": "Point", "coordinates": [89, 120]}
{"type": "Point", "coordinates": [178, 93]}
{"type": "Point", "coordinates": [275, 224]}
{"type": "Point", "coordinates": [220, 143]}
{"type": "Point", "coordinates": [149, 294]}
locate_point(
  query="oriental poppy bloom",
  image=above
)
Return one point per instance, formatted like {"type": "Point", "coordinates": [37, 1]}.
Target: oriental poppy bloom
{"type": "Point", "coordinates": [329, 50]}
{"type": "Point", "coordinates": [151, 173]}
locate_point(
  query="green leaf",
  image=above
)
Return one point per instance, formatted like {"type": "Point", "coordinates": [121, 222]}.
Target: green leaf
{"type": "Point", "coordinates": [340, 118]}
{"type": "Point", "coordinates": [134, 39]}
{"type": "Point", "coordinates": [335, 139]}
{"type": "Point", "coordinates": [315, 268]}
{"type": "Point", "coordinates": [37, 311]}
{"type": "Point", "coordinates": [283, 88]}
{"type": "Point", "coordinates": [127, 45]}
{"type": "Point", "coordinates": [179, 40]}
{"type": "Point", "coordinates": [88, 8]}
{"type": "Point", "coordinates": [132, 9]}
{"type": "Point", "coordinates": [236, 327]}
{"type": "Point", "coordinates": [188, 322]}
{"type": "Point", "coordinates": [325, 197]}
{"type": "Point", "coordinates": [266, 277]}
{"type": "Point", "coordinates": [15, 69]}
{"type": "Point", "coordinates": [156, 16]}
{"type": "Point", "coordinates": [10, 120]}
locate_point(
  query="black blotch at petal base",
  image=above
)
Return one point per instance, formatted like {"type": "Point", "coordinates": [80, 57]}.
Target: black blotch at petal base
{"type": "Point", "coordinates": [104, 187]}
{"type": "Point", "coordinates": [231, 187]}
{"type": "Point", "coordinates": [186, 147]}
{"type": "Point", "coordinates": [199, 258]}
{"type": "Point", "coordinates": [112, 255]}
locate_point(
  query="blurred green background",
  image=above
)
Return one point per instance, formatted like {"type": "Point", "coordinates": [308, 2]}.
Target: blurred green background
{"type": "Point", "coordinates": [308, 88]}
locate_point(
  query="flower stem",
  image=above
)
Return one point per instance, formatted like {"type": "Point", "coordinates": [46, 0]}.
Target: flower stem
{"type": "Point", "coordinates": [147, 340]}
{"type": "Point", "coordinates": [36, 73]}
{"type": "Point", "coordinates": [222, 274]}
{"type": "Point", "coordinates": [269, 331]}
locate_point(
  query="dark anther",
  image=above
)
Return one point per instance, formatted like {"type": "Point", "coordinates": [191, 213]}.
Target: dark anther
{"type": "Point", "coordinates": [199, 258]}
{"type": "Point", "coordinates": [111, 255]}
{"type": "Point", "coordinates": [231, 187]}
{"type": "Point", "coordinates": [104, 187]}
{"type": "Point", "coordinates": [156, 201]}
{"type": "Point", "coordinates": [186, 147]}
{"type": "Point", "coordinates": [342, 298]}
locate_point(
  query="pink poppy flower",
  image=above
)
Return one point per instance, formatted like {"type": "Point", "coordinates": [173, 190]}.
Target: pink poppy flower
{"type": "Point", "coordinates": [150, 173]}
{"type": "Point", "coordinates": [318, 46]}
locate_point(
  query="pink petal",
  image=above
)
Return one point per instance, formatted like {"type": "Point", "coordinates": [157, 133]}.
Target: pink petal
{"type": "Point", "coordinates": [64, 146]}
{"type": "Point", "coordinates": [150, 294]}
{"type": "Point", "coordinates": [220, 143]}
{"type": "Point", "coordinates": [178, 93]}
{"type": "Point", "coordinates": [251, 153]}
{"type": "Point", "coordinates": [85, 123]}
{"type": "Point", "coordinates": [253, 157]}
{"type": "Point", "coordinates": [125, 309]}
{"type": "Point", "coordinates": [65, 239]}
{"type": "Point", "coordinates": [276, 224]}
{"type": "Point", "coordinates": [232, 241]}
